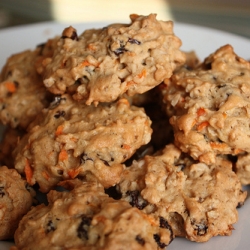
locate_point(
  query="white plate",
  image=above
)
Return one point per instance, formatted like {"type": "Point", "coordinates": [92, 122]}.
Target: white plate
{"type": "Point", "coordinates": [202, 40]}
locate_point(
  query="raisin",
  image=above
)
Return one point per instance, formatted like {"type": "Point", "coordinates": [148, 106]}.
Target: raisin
{"type": "Point", "coordinates": [134, 41]}
{"type": "Point", "coordinates": [82, 230]}
{"type": "Point", "coordinates": [113, 192]}
{"type": "Point", "coordinates": [59, 113]}
{"type": "Point", "coordinates": [50, 226]}
{"type": "Point", "coordinates": [158, 241]}
{"type": "Point", "coordinates": [240, 204]}
{"type": "Point", "coordinates": [207, 66]}
{"type": "Point", "coordinates": [84, 157]}
{"type": "Point", "coordinates": [164, 224]}
{"type": "Point", "coordinates": [70, 33]}
{"type": "Point", "coordinates": [57, 100]}
{"type": "Point", "coordinates": [201, 227]}
{"type": "Point", "coordinates": [136, 199]}
{"type": "Point", "coordinates": [120, 51]}
{"type": "Point", "coordinates": [2, 193]}
{"type": "Point", "coordinates": [140, 240]}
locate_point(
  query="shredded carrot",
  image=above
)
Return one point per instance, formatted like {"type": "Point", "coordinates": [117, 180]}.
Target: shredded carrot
{"type": "Point", "coordinates": [130, 83]}
{"type": "Point", "coordinates": [237, 151]}
{"type": "Point", "coordinates": [217, 145]}
{"type": "Point", "coordinates": [143, 73]}
{"type": "Point", "coordinates": [123, 100]}
{"type": "Point", "coordinates": [28, 171]}
{"type": "Point", "coordinates": [100, 218]}
{"type": "Point", "coordinates": [11, 87]}
{"type": "Point", "coordinates": [59, 130]}
{"type": "Point", "coordinates": [45, 175]}
{"type": "Point", "coordinates": [150, 219]}
{"type": "Point", "coordinates": [73, 173]}
{"type": "Point", "coordinates": [126, 146]}
{"type": "Point", "coordinates": [85, 63]}
{"type": "Point", "coordinates": [73, 139]}
{"type": "Point", "coordinates": [63, 155]}
{"type": "Point", "coordinates": [224, 115]}
{"type": "Point", "coordinates": [201, 111]}
{"type": "Point", "coordinates": [202, 125]}
{"type": "Point", "coordinates": [91, 47]}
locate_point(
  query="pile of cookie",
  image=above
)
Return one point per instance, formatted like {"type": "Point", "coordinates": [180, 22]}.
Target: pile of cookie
{"type": "Point", "coordinates": [117, 139]}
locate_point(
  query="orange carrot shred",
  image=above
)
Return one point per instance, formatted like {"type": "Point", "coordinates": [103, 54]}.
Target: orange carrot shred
{"type": "Point", "coordinates": [201, 111]}
{"type": "Point", "coordinates": [130, 83]}
{"type": "Point", "coordinates": [28, 171]}
{"type": "Point", "coordinates": [63, 155]}
{"type": "Point", "coordinates": [73, 173]}
{"type": "Point", "coordinates": [126, 146]}
{"type": "Point", "coordinates": [45, 175]}
{"type": "Point", "coordinates": [143, 73]}
{"type": "Point", "coordinates": [217, 145]}
{"type": "Point", "coordinates": [59, 130]}
{"type": "Point", "coordinates": [85, 63]}
{"type": "Point", "coordinates": [11, 87]}
{"type": "Point", "coordinates": [202, 125]}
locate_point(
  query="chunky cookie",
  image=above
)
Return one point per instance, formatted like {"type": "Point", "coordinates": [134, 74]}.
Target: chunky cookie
{"type": "Point", "coordinates": [102, 64]}
{"type": "Point", "coordinates": [15, 201]}
{"type": "Point", "coordinates": [22, 93]}
{"type": "Point", "coordinates": [71, 138]}
{"type": "Point", "coordinates": [92, 220]}
{"type": "Point", "coordinates": [199, 201]}
{"type": "Point", "coordinates": [209, 106]}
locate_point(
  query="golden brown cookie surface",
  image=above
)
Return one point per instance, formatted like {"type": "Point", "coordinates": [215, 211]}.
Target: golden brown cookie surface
{"type": "Point", "coordinates": [71, 138]}
{"type": "Point", "coordinates": [103, 64]}
{"type": "Point", "coordinates": [15, 201]}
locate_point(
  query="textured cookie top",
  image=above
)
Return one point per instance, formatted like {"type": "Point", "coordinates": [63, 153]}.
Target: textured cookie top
{"type": "Point", "coordinates": [102, 64]}
{"type": "Point", "coordinates": [199, 201]}
{"type": "Point", "coordinates": [15, 201]}
{"type": "Point", "coordinates": [210, 106]}
{"type": "Point", "coordinates": [22, 93]}
{"type": "Point", "coordinates": [92, 220]}
{"type": "Point", "coordinates": [71, 138]}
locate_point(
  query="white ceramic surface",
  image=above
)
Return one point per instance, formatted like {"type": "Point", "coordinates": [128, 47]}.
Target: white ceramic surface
{"type": "Point", "coordinates": [202, 40]}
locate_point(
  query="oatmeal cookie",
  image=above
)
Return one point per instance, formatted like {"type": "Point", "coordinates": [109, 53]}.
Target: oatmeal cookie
{"type": "Point", "coordinates": [209, 106]}
{"type": "Point", "coordinates": [199, 201]}
{"type": "Point", "coordinates": [92, 220]}
{"type": "Point", "coordinates": [102, 64]}
{"type": "Point", "coordinates": [71, 138]}
{"type": "Point", "coordinates": [22, 93]}
{"type": "Point", "coordinates": [15, 201]}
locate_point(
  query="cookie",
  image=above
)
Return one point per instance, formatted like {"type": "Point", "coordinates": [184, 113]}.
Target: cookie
{"type": "Point", "coordinates": [209, 106]}
{"type": "Point", "coordinates": [15, 201]}
{"type": "Point", "coordinates": [92, 220]}
{"type": "Point", "coordinates": [102, 64]}
{"type": "Point", "coordinates": [199, 201]}
{"type": "Point", "coordinates": [22, 93]}
{"type": "Point", "coordinates": [71, 138]}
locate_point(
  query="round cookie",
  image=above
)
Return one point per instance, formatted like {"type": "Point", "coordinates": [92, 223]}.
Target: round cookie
{"type": "Point", "coordinates": [102, 64]}
{"type": "Point", "coordinates": [209, 106]}
{"type": "Point", "coordinates": [22, 93]}
{"type": "Point", "coordinates": [92, 220]}
{"type": "Point", "coordinates": [15, 201]}
{"type": "Point", "coordinates": [199, 201]}
{"type": "Point", "coordinates": [71, 138]}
